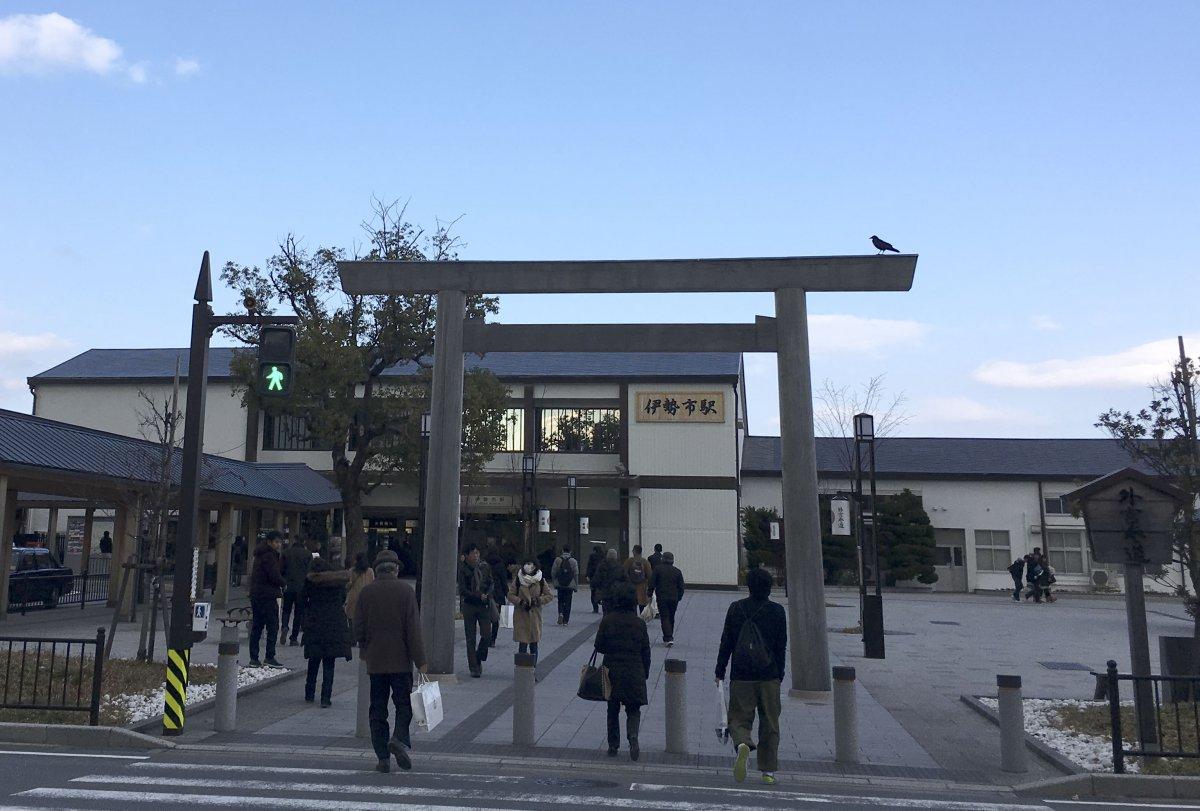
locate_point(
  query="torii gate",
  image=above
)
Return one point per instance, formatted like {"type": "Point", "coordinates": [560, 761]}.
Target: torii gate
{"type": "Point", "coordinates": [789, 278]}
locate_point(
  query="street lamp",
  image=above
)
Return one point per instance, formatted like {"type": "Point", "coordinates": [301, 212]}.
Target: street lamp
{"type": "Point", "coordinates": [868, 543]}
{"type": "Point", "coordinates": [528, 496]}
{"type": "Point", "coordinates": [572, 509]}
{"type": "Point", "coordinates": [421, 482]}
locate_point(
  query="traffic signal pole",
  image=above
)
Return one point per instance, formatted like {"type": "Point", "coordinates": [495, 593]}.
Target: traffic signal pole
{"type": "Point", "coordinates": [181, 637]}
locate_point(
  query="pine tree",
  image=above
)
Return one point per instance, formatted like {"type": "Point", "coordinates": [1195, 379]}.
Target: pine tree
{"type": "Point", "coordinates": [906, 545]}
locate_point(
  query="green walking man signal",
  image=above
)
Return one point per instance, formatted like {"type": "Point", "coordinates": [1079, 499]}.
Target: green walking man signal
{"type": "Point", "coordinates": [275, 354]}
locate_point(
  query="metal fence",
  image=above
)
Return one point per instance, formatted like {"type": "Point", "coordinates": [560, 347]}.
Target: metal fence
{"type": "Point", "coordinates": [1176, 720]}
{"type": "Point", "coordinates": [52, 588]}
{"type": "Point", "coordinates": [52, 674]}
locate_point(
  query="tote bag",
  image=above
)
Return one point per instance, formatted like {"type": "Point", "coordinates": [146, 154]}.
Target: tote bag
{"type": "Point", "coordinates": [722, 714]}
{"type": "Point", "coordinates": [426, 700]}
{"type": "Point", "coordinates": [506, 615]}
{"type": "Point", "coordinates": [594, 684]}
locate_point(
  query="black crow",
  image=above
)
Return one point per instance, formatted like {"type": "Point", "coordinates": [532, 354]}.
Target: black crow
{"type": "Point", "coordinates": [881, 245]}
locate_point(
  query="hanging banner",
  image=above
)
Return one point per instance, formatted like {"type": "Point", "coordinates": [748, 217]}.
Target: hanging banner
{"type": "Point", "coordinates": [774, 530]}
{"type": "Point", "coordinates": [839, 516]}
{"type": "Point", "coordinates": [543, 520]}
{"type": "Point", "coordinates": [583, 525]}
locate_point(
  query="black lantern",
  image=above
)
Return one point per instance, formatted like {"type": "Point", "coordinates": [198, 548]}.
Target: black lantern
{"type": "Point", "coordinates": [864, 427]}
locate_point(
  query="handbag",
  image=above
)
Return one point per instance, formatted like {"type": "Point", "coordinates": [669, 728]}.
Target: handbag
{"type": "Point", "coordinates": [722, 714]}
{"type": "Point", "coordinates": [426, 701]}
{"type": "Point", "coordinates": [493, 611]}
{"type": "Point", "coordinates": [507, 612]}
{"type": "Point", "coordinates": [594, 684]}
{"type": "Point", "coordinates": [651, 609]}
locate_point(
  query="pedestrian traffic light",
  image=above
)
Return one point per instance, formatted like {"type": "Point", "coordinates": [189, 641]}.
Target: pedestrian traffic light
{"type": "Point", "coordinates": [276, 348]}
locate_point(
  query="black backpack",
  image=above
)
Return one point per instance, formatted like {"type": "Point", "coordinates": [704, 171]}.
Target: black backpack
{"type": "Point", "coordinates": [565, 575]}
{"type": "Point", "coordinates": [751, 649]}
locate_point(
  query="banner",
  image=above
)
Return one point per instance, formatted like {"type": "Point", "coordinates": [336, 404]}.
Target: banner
{"type": "Point", "coordinates": [839, 516]}
{"type": "Point", "coordinates": [543, 520]}
{"type": "Point", "coordinates": [583, 525]}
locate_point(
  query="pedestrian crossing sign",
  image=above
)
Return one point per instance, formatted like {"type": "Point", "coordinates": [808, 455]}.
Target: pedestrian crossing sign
{"type": "Point", "coordinates": [274, 379]}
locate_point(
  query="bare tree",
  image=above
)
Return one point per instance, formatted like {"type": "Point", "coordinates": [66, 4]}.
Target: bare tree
{"type": "Point", "coordinates": [158, 422]}
{"type": "Point", "coordinates": [838, 404]}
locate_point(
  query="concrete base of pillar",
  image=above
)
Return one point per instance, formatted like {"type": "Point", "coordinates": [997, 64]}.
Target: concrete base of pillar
{"type": "Point", "coordinates": [811, 695]}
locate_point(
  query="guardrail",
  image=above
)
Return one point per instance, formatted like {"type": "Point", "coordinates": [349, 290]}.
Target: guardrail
{"type": "Point", "coordinates": [52, 589]}
{"type": "Point", "coordinates": [56, 675]}
{"type": "Point", "coordinates": [1176, 720]}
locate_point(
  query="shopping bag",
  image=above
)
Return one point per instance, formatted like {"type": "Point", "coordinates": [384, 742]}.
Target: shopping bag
{"type": "Point", "coordinates": [651, 609]}
{"type": "Point", "coordinates": [722, 714]}
{"type": "Point", "coordinates": [426, 700]}
{"type": "Point", "coordinates": [506, 615]}
{"type": "Point", "coordinates": [594, 684]}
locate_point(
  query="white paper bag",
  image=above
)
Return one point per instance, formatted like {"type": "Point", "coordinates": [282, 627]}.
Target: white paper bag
{"type": "Point", "coordinates": [651, 609]}
{"type": "Point", "coordinates": [426, 702]}
{"type": "Point", "coordinates": [722, 714]}
{"type": "Point", "coordinates": [506, 615]}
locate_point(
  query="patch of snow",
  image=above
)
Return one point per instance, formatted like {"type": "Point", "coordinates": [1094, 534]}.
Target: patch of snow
{"type": "Point", "coordinates": [1092, 752]}
{"type": "Point", "coordinates": [150, 704]}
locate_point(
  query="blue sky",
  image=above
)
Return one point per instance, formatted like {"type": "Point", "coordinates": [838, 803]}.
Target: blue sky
{"type": "Point", "coordinates": [1040, 157]}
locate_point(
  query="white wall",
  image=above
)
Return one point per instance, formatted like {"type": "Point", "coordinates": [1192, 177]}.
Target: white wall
{"type": "Point", "coordinates": [679, 449]}
{"type": "Point", "coordinates": [698, 526]}
{"type": "Point", "coordinates": [762, 491]}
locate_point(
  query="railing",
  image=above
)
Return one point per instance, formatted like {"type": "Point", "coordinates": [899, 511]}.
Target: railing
{"type": "Point", "coordinates": [51, 588]}
{"type": "Point", "coordinates": [1176, 721]}
{"type": "Point", "coordinates": [56, 675]}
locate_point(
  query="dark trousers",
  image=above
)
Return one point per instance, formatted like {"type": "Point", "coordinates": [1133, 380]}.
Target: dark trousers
{"type": "Point", "coordinates": [477, 623]}
{"type": "Point", "coordinates": [1035, 591]}
{"type": "Point", "coordinates": [666, 613]}
{"type": "Point", "coordinates": [385, 686]}
{"type": "Point", "coordinates": [564, 604]}
{"type": "Point", "coordinates": [291, 608]}
{"type": "Point", "coordinates": [264, 615]}
{"type": "Point", "coordinates": [595, 600]}
{"type": "Point", "coordinates": [747, 698]}
{"type": "Point", "coordinates": [528, 648]}
{"type": "Point", "coordinates": [325, 665]}
{"type": "Point", "coordinates": [1016, 588]}
{"type": "Point", "coordinates": [633, 722]}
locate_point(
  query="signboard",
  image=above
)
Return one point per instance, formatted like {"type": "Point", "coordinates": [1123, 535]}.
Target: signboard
{"type": "Point", "coordinates": [774, 530]}
{"type": "Point", "coordinates": [200, 615]}
{"type": "Point", "coordinates": [543, 520]}
{"type": "Point", "coordinates": [839, 516]}
{"type": "Point", "coordinates": [583, 525]}
{"type": "Point", "coordinates": [1130, 517]}
{"type": "Point", "coordinates": [506, 502]}
{"type": "Point", "coordinates": [75, 535]}
{"type": "Point", "coordinates": [681, 406]}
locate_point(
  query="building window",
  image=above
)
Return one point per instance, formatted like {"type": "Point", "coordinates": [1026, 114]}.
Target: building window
{"type": "Point", "coordinates": [992, 550]}
{"type": "Point", "coordinates": [1056, 505]}
{"type": "Point", "coordinates": [579, 430]}
{"type": "Point", "coordinates": [285, 432]}
{"type": "Point", "coordinates": [514, 430]}
{"type": "Point", "coordinates": [1064, 547]}
{"type": "Point", "coordinates": [949, 546]}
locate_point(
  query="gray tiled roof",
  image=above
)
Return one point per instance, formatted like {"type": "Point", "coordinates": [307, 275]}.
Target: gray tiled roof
{"type": "Point", "coordinates": [61, 447]}
{"type": "Point", "coordinates": [151, 364]}
{"type": "Point", "coordinates": [940, 457]}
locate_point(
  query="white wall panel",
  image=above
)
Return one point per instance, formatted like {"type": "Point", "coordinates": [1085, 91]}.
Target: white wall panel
{"type": "Point", "coordinates": [699, 527]}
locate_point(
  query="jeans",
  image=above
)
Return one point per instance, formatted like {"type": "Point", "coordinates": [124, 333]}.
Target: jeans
{"type": "Point", "coordinates": [397, 687]}
{"type": "Point", "coordinates": [291, 608]}
{"type": "Point", "coordinates": [564, 604]}
{"type": "Point", "coordinates": [1016, 589]}
{"type": "Point", "coordinates": [762, 697]}
{"type": "Point", "coordinates": [264, 614]}
{"type": "Point", "coordinates": [633, 722]}
{"type": "Point", "coordinates": [477, 623]}
{"type": "Point", "coordinates": [326, 666]}
{"type": "Point", "coordinates": [528, 648]}
{"type": "Point", "coordinates": [666, 613]}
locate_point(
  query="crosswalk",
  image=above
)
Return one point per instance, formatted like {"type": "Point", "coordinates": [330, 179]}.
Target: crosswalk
{"type": "Point", "coordinates": [167, 785]}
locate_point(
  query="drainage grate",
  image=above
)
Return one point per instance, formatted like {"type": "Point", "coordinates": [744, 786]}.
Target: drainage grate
{"type": "Point", "coordinates": [1065, 666]}
{"type": "Point", "coordinates": [944, 622]}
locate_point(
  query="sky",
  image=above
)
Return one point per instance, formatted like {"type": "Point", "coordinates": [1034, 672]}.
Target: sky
{"type": "Point", "coordinates": [1041, 158]}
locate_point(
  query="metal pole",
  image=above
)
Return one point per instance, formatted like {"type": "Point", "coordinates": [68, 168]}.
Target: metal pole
{"type": "Point", "coordinates": [676, 670]}
{"type": "Point", "coordinates": [873, 638]}
{"type": "Point", "coordinates": [845, 716]}
{"type": "Point", "coordinates": [227, 677]}
{"type": "Point", "coordinates": [524, 679]}
{"type": "Point", "coordinates": [362, 723]}
{"type": "Point", "coordinates": [1012, 724]}
{"type": "Point", "coordinates": [1139, 657]}
{"type": "Point", "coordinates": [1114, 715]}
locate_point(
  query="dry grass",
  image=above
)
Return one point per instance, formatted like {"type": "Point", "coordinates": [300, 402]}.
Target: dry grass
{"type": "Point", "coordinates": [1095, 721]}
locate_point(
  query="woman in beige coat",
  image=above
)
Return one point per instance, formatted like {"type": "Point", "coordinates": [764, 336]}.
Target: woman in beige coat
{"type": "Point", "coordinates": [360, 577]}
{"type": "Point", "coordinates": [528, 591]}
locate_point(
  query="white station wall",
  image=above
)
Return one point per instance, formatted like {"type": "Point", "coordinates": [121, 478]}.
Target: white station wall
{"type": "Point", "coordinates": [699, 527]}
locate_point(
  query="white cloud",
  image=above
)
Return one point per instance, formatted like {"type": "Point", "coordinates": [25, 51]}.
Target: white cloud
{"type": "Point", "coordinates": [49, 43]}
{"type": "Point", "coordinates": [831, 334]}
{"type": "Point", "coordinates": [12, 343]}
{"type": "Point", "coordinates": [137, 73]}
{"type": "Point", "coordinates": [956, 409]}
{"type": "Point", "coordinates": [186, 67]}
{"type": "Point", "coordinates": [1137, 366]}
{"type": "Point", "coordinates": [1044, 323]}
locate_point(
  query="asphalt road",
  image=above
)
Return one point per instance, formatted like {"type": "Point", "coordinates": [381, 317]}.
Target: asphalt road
{"type": "Point", "coordinates": [58, 779]}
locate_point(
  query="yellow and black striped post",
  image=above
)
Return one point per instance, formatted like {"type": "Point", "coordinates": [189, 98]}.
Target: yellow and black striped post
{"type": "Point", "coordinates": [175, 694]}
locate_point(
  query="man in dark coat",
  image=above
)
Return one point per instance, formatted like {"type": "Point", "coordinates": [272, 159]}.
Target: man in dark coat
{"type": "Point", "coordinates": [475, 598]}
{"type": "Point", "coordinates": [322, 612]}
{"type": "Point", "coordinates": [609, 574]}
{"type": "Point", "coordinates": [294, 568]}
{"type": "Point", "coordinates": [387, 626]}
{"type": "Point", "coordinates": [757, 673]}
{"type": "Point", "coordinates": [667, 584]}
{"type": "Point", "coordinates": [593, 563]}
{"type": "Point", "coordinates": [655, 559]}
{"type": "Point", "coordinates": [1017, 570]}
{"type": "Point", "coordinates": [1033, 571]}
{"type": "Point", "coordinates": [237, 559]}
{"type": "Point", "coordinates": [265, 585]}
{"type": "Point", "coordinates": [500, 580]}
{"type": "Point", "coordinates": [623, 641]}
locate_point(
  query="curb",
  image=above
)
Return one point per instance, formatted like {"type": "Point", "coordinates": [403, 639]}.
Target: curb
{"type": "Point", "coordinates": [1117, 786]}
{"type": "Point", "coordinates": [209, 703]}
{"type": "Point", "coordinates": [80, 736]}
{"type": "Point", "coordinates": [1042, 750]}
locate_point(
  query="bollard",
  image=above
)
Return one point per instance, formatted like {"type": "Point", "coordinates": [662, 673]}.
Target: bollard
{"type": "Point", "coordinates": [1012, 724]}
{"type": "Point", "coordinates": [362, 725]}
{"type": "Point", "coordinates": [524, 676]}
{"type": "Point", "coordinates": [676, 706]}
{"type": "Point", "coordinates": [225, 719]}
{"type": "Point", "coordinates": [845, 716]}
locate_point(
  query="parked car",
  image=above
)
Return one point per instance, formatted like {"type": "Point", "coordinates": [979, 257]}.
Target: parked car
{"type": "Point", "coordinates": [36, 576]}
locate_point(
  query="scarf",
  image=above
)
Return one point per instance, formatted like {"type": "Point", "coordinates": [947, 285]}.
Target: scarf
{"type": "Point", "coordinates": [527, 580]}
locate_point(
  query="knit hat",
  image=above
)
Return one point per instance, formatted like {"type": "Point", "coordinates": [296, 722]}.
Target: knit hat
{"type": "Point", "coordinates": [385, 557]}
{"type": "Point", "coordinates": [668, 557]}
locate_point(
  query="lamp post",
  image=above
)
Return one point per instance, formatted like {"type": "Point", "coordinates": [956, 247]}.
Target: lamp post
{"type": "Point", "coordinates": [572, 510]}
{"type": "Point", "coordinates": [868, 542]}
{"type": "Point", "coordinates": [528, 497]}
{"type": "Point", "coordinates": [422, 476]}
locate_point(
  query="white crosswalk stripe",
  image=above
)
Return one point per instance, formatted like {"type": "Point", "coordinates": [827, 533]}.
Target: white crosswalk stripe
{"type": "Point", "coordinates": [314, 772]}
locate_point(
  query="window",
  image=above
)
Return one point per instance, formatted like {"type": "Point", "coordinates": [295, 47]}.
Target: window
{"type": "Point", "coordinates": [284, 432]}
{"type": "Point", "coordinates": [514, 430]}
{"type": "Point", "coordinates": [579, 430]}
{"type": "Point", "coordinates": [992, 550]}
{"type": "Point", "coordinates": [1064, 547]}
{"type": "Point", "coordinates": [949, 546]}
{"type": "Point", "coordinates": [1057, 505]}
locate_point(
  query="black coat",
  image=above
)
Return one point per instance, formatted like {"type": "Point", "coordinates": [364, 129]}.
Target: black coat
{"type": "Point", "coordinates": [593, 562]}
{"type": "Point", "coordinates": [623, 640]}
{"type": "Point", "coordinates": [667, 583]}
{"type": "Point", "coordinates": [499, 580]}
{"type": "Point", "coordinates": [608, 574]}
{"type": "Point", "coordinates": [265, 579]}
{"type": "Point", "coordinates": [771, 620]}
{"type": "Point", "coordinates": [323, 616]}
{"type": "Point", "coordinates": [294, 566]}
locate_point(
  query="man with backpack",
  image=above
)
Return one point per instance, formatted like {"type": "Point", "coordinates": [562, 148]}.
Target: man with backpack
{"type": "Point", "coordinates": [638, 573]}
{"type": "Point", "coordinates": [565, 574]}
{"type": "Point", "coordinates": [754, 641]}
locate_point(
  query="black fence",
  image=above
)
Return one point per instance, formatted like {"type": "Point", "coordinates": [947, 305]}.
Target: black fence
{"type": "Point", "coordinates": [1176, 717]}
{"type": "Point", "coordinates": [51, 588]}
{"type": "Point", "coordinates": [60, 675]}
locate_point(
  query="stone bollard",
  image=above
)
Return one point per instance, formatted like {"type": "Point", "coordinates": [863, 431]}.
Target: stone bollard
{"type": "Point", "coordinates": [845, 716]}
{"type": "Point", "coordinates": [676, 706]}
{"type": "Point", "coordinates": [524, 678]}
{"type": "Point", "coordinates": [225, 718]}
{"type": "Point", "coordinates": [1012, 724]}
{"type": "Point", "coordinates": [362, 724]}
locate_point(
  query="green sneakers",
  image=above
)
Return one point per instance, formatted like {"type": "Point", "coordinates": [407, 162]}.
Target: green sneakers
{"type": "Point", "coordinates": [768, 778]}
{"type": "Point", "coordinates": [739, 763]}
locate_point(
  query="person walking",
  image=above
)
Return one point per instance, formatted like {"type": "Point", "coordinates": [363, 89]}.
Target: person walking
{"type": "Point", "coordinates": [475, 596]}
{"type": "Point", "coordinates": [528, 592]}
{"type": "Point", "coordinates": [361, 576]}
{"type": "Point", "coordinates": [1046, 579]}
{"type": "Point", "coordinates": [387, 625]}
{"type": "Point", "coordinates": [1033, 571]}
{"type": "Point", "coordinates": [638, 572]}
{"type": "Point", "coordinates": [608, 574]}
{"type": "Point", "coordinates": [106, 545]}
{"type": "Point", "coordinates": [237, 560]}
{"type": "Point", "coordinates": [1017, 570]}
{"type": "Point", "coordinates": [625, 645]}
{"type": "Point", "coordinates": [565, 574]}
{"type": "Point", "coordinates": [500, 580]}
{"type": "Point", "coordinates": [294, 567]}
{"type": "Point", "coordinates": [753, 643]}
{"type": "Point", "coordinates": [593, 563]}
{"type": "Point", "coordinates": [667, 585]}
{"type": "Point", "coordinates": [322, 614]}
{"type": "Point", "coordinates": [266, 584]}
{"type": "Point", "coordinates": [656, 558]}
